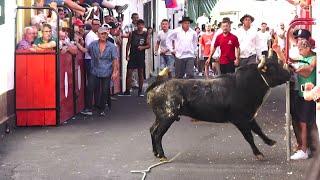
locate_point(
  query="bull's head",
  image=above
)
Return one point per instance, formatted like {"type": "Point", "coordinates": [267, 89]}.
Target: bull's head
{"type": "Point", "coordinates": [274, 73]}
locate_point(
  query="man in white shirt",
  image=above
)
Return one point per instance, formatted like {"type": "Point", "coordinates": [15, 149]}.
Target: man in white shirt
{"type": "Point", "coordinates": [90, 37]}
{"type": "Point", "coordinates": [166, 58]}
{"type": "Point", "coordinates": [202, 21]}
{"type": "Point", "coordinates": [185, 42]}
{"type": "Point", "coordinates": [281, 33]}
{"type": "Point", "coordinates": [247, 37]}
{"type": "Point", "coordinates": [263, 41]}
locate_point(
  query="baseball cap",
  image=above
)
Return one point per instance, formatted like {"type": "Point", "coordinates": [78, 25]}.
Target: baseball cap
{"type": "Point", "coordinates": [113, 25]}
{"type": "Point", "coordinates": [103, 29]}
{"type": "Point", "coordinates": [302, 33]}
{"type": "Point", "coordinates": [106, 26]}
{"type": "Point", "coordinates": [78, 22]}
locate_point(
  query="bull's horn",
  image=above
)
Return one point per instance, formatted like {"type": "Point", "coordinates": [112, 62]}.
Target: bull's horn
{"type": "Point", "coordinates": [262, 61]}
{"type": "Point", "coordinates": [164, 72]}
{"type": "Point", "coordinates": [286, 67]}
{"type": "Point", "coordinates": [270, 53]}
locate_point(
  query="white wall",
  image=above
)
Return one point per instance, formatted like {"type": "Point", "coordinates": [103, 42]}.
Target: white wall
{"type": "Point", "coordinates": [7, 48]}
{"type": "Point", "coordinates": [271, 11]}
{"type": "Point", "coordinates": [134, 6]}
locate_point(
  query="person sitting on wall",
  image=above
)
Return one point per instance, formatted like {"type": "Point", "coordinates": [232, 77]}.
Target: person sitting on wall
{"type": "Point", "coordinates": [28, 38]}
{"type": "Point", "coordinates": [46, 41]}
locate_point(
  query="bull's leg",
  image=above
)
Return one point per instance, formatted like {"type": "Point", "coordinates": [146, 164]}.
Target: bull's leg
{"type": "Point", "coordinates": [159, 131]}
{"type": "Point", "coordinates": [246, 132]}
{"type": "Point", "coordinates": [256, 129]}
{"type": "Point", "coordinates": [152, 130]}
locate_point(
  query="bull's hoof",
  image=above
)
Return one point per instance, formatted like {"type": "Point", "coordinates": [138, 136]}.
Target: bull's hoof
{"type": "Point", "coordinates": [163, 159]}
{"type": "Point", "coordinates": [271, 142]}
{"type": "Point", "coordinates": [194, 120]}
{"type": "Point", "coordinates": [260, 157]}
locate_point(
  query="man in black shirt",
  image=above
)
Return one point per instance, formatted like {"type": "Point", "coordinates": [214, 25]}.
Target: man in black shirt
{"type": "Point", "coordinates": [138, 42]}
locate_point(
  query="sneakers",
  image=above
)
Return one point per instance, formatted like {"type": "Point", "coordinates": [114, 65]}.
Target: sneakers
{"type": "Point", "coordinates": [140, 94]}
{"type": "Point", "coordinates": [120, 9]}
{"type": "Point", "coordinates": [88, 13]}
{"type": "Point", "coordinates": [126, 93]}
{"type": "Point", "coordinates": [86, 112]}
{"type": "Point", "coordinates": [309, 152]}
{"type": "Point", "coordinates": [102, 113]}
{"type": "Point", "coordinates": [299, 155]}
{"type": "Point", "coordinates": [113, 98]}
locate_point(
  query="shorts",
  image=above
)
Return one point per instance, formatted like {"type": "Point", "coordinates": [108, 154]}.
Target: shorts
{"type": "Point", "coordinates": [136, 61]}
{"type": "Point", "coordinates": [227, 68]}
{"type": "Point", "coordinates": [59, 2]}
{"type": "Point", "coordinates": [305, 110]}
{"type": "Point", "coordinates": [211, 60]}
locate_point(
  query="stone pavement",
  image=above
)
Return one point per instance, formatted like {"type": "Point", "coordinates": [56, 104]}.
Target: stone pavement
{"type": "Point", "coordinates": [94, 148]}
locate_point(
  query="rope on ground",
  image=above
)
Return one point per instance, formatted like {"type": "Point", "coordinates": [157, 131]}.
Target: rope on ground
{"type": "Point", "coordinates": [144, 172]}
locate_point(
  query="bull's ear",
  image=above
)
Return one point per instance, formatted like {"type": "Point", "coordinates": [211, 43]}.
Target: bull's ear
{"type": "Point", "coordinates": [262, 62]}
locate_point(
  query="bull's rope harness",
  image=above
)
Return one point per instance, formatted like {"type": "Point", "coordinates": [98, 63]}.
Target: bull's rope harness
{"type": "Point", "coordinates": [265, 96]}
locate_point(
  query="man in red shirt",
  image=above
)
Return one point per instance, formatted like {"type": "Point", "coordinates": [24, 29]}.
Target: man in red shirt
{"type": "Point", "coordinates": [229, 46]}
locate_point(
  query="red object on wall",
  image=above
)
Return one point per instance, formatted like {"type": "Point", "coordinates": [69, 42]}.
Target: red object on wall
{"type": "Point", "coordinates": [37, 88]}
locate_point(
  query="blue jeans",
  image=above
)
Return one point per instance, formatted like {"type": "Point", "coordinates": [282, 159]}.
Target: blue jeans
{"type": "Point", "coordinates": [167, 61]}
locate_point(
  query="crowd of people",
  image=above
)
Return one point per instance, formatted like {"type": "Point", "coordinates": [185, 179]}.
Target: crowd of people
{"type": "Point", "coordinates": [207, 50]}
{"type": "Point", "coordinates": [98, 38]}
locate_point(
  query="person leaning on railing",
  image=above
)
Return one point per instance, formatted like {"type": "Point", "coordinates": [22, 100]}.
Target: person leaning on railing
{"type": "Point", "coordinates": [46, 42]}
{"type": "Point", "coordinates": [28, 37]}
{"type": "Point", "coordinates": [65, 44]}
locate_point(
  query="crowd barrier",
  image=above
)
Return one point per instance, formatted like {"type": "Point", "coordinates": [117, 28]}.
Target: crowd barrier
{"type": "Point", "coordinates": [49, 87]}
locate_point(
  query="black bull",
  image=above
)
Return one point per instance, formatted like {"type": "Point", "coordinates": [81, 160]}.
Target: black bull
{"type": "Point", "coordinates": [231, 98]}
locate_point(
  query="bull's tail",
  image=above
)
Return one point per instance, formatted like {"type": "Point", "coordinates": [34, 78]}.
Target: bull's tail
{"type": "Point", "coordinates": [162, 77]}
